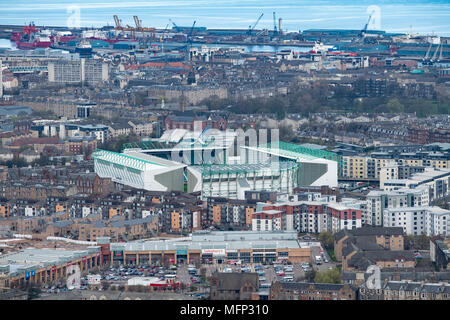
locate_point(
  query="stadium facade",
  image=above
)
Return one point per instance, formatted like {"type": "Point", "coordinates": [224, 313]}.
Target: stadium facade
{"type": "Point", "coordinates": [214, 163]}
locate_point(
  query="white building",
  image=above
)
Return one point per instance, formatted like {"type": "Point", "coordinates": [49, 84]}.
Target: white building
{"type": "Point", "coordinates": [139, 170]}
{"type": "Point", "coordinates": [377, 201]}
{"type": "Point", "coordinates": [317, 167]}
{"type": "Point", "coordinates": [77, 71]}
{"type": "Point", "coordinates": [431, 221]}
{"type": "Point", "coordinates": [267, 220]}
{"type": "Point", "coordinates": [231, 181]}
{"type": "Point", "coordinates": [437, 180]}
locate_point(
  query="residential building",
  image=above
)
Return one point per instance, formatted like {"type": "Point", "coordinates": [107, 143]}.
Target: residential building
{"type": "Point", "coordinates": [430, 221]}
{"type": "Point", "coordinates": [312, 291]}
{"type": "Point", "coordinates": [234, 286]}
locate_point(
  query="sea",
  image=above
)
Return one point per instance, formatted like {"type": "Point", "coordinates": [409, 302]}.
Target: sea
{"type": "Point", "coordinates": [430, 17]}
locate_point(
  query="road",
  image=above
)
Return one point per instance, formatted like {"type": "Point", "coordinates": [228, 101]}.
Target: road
{"type": "Point", "coordinates": [315, 251]}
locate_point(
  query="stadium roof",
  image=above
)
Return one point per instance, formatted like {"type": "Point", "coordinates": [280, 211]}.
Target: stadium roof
{"type": "Point", "coordinates": [134, 160]}
{"type": "Point", "coordinates": [297, 152]}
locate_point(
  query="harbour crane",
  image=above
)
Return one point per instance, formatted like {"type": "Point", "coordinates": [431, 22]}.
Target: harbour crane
{"type": "Point", "coordinates": [250, 28]}
{"type": "Point", "coordinates": [137, 22]}
{"type": "Point", "coordinates": [275, 32]}
{"type": "Point", "coordinates": [142, 29]}
{"type": "Point", "coordinates": [118, 25]}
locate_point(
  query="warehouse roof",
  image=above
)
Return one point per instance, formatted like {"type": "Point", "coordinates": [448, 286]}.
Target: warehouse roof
{"type": "Point", "coordinates": [30, 259]}
{"type": "Point", "coordinates": [232, 240]}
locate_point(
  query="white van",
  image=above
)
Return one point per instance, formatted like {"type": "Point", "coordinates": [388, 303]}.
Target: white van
{"type": "Point", "coordinates": [265, 285]}
{"type": "Point", "coordinates": [288, 278]}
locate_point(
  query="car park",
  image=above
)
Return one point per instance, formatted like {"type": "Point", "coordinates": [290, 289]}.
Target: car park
{"type": "Point", "coordinates": [245, 269]}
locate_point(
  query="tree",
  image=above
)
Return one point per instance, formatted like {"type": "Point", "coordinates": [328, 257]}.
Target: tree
{"type": "Point", "coordinates": [286, 133]}
{"type": "Point", "coordinates": [33, 293]}
{"type": "Point", "coordinates": [328, 276]}
{"type": "Point", "coordinates": [419, 242]}
{"type": "Point", "coordinates": [395, 106]}
{"type": "Point", "coordinates": [310, 275]}
{"type": "Point", "coordinates": [326, 238]}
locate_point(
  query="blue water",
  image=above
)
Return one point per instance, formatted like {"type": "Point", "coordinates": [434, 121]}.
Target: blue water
{"type": "Point", "coordinates": [418, 16]}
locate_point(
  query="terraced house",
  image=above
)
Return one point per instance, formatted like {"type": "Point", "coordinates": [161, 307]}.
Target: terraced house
{"type": "Point", "coordinates": [312, 291]}
{"type": "Point", "coordinates": [406, 290]}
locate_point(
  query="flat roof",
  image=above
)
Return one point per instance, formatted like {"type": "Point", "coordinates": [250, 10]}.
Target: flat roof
{"type": "Point", "coordinates": [434, 209]}
{"type": "Point", "coordinates": [32, 258]}
{"type": "Point", "coordinates": [227, 240]}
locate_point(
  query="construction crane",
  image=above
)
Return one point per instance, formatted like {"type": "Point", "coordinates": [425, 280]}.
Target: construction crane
{"type": "Point", "coordinates": [275, 32]}
{"type": "Point", "coordinates": [161, 40]}
{"type": "Point", "coordinates": [440, 54]}
{"type": "Point", "coordinates": [364, 30]}
{"type": "Point", "coordinates": [176, 27]}
{"type": "Point", "coordinates": [435, 53]}
{"type": "Point", "coordinates": [427, 56]}
{"type": "Point", "coordinates": [250, 28]}
{"type": "Point", "coordinates": [264, 32]}
{"type": "Point", "coordinates": [161, 37]}
{"type": "Point", "coordinates": [189, 39]}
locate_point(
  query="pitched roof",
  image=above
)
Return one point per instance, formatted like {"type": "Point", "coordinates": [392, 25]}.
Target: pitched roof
{"type": "Point", "coordinates": [377, 231]}
{"type": "Point", "coordinates": [234, 281]}
{"type": "Point", "coordinates": [305, 285]}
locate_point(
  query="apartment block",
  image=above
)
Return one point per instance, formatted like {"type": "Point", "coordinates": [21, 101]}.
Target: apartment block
{"type": "Point", "coordinates": [430, 221]}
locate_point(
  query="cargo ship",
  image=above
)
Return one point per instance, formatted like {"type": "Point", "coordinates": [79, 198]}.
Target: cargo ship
{"type": "Point", "coordinates": [30, 38]}
{"type": "Point", "coordinates": [84, 48]}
